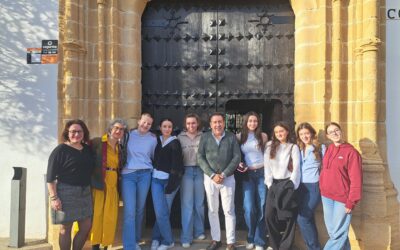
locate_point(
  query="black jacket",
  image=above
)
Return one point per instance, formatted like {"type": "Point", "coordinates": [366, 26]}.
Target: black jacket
{"type": "Point", "coordinates": [169, 159]}
{"type": "Point", "coordinates": [283, 194]}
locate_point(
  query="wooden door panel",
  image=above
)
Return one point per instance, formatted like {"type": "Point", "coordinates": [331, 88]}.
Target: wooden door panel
{"type": "Point", "coordinates": [197, 55]}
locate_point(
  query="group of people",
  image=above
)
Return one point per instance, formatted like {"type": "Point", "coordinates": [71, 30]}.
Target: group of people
{"type": "Point", "coordinates": [283, 182]}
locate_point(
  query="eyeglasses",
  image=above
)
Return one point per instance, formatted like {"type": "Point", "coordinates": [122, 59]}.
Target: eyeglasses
{"type": "Point", "coordinates": [75, 132]}
{"type": "Point", "coordinates": [116, 128]}
{"type": "Point", "coordinates": [336, 131]}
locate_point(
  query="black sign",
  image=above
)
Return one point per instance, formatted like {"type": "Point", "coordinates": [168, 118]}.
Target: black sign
{"type": "Point", "coordinates": [49, 46]}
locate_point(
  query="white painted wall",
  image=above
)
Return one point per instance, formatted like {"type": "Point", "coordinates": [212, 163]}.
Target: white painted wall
{"type": "Point", "coordinates": [28, 106]}
{"type": "Point", "coordinates": [393, 90]}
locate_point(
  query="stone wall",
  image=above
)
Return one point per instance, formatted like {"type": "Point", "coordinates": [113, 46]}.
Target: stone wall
{"type": "Point", "coordinates": [339, 72]}
{"type": "Point", "coordinates": [99, 74]}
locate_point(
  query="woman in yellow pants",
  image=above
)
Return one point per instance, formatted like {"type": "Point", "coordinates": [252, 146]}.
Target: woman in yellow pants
{"type": "Point", "coordinates": [110, 157]}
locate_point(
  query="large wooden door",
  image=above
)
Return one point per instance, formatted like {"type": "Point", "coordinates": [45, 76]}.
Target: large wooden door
{"type": "Point", "coordinates": [230, 56]}
{"type": "Point", "coordinates": [198, 55]}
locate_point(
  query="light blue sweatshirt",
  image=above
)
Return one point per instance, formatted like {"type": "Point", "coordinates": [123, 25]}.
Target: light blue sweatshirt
{"type": "Point", "coordinates": [140, 151]}
{"type": "Point", "coordinates": [309, 165]}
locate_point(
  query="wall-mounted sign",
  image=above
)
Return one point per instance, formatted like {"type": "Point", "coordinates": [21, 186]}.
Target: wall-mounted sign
{"type": "Point", "coordinates": [48, 54]}
{"type": "Point", "coordinates": [49, 51]}
{"type": "Point", "coordinates": [33, 55]}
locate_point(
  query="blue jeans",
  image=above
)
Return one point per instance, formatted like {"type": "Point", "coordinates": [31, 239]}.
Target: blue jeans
{"type": "Point", "coordinates": [135, 187]}
{"type": "Point", "coordinates": [192, 204]}
{"type": "Point", "coordinates": [337, 223]}
{"type": "Point", "coordinates": [156, 234]}
{"type": "Point", "coordinates": [309, 198]}
{"type": "Point", "coordinates": [254, 197]}
{"type": "Point", "coordinates": [161, 210]}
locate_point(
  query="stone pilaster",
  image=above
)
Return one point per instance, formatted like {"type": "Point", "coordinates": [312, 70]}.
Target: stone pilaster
{"type": "Point", "coordinates": [101, 51]}
{"type": "Point", "coordinates": [130, 59]}
{"type": "Point", "coordinates": [338, 69]}
{"type": "Point", "coordinates": [99, 75]}
{"type": "Point", "coordinates": [380, 208]}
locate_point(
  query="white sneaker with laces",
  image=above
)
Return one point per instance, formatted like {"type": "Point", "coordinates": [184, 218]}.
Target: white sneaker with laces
{"type": "Point", "coordinates": [249, 245]}
{"type": "Point", "coordinates": [154, 244]}
{"type": "Point", "coordinates": [201, 237]}
{"type": "Point", "coordinates": [185, 245]}
{"type": "Point", "coordinates": [165, 247]}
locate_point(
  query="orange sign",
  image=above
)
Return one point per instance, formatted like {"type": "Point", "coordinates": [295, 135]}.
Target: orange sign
{"type": "Point", "coordinates": [49, 58]}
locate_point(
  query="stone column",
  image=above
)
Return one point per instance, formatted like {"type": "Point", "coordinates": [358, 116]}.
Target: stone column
{"type": "Point", "coordinates": [72, 49]}
{"type": "Point", "coordinates": [380, 210]}
{"type": "Point", "coordinates": [313, 89]}
{"type": "Point", "coordinates": [130, 58]}
{"type": "Point", "coordinates": [70, 85]}
{"type": "Point", "coordinates": [337, 70]}
{"type": "Point", "coordinates": [101, 51]}
{"type": "Point", "coordinates": [336, 77]}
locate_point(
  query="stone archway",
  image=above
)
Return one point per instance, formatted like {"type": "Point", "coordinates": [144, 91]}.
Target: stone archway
{"type": "Point", "coordinates": [339, 67]}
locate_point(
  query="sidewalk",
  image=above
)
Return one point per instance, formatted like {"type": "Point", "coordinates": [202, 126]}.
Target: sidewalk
{"type": "Point", "coordinates": [29, 245]}
{"type": "Point", "coordinates": [197, 244]}
{"type": "Point", "coordinates": [145, 244]}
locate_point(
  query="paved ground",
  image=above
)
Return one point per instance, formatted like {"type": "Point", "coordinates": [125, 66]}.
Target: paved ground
{"type": "Point", "coordinates": [198, 244]}
{"type": "Point", "coordinates": [30, 245]}
{"type": "Point", "coordinates": [145, 244]}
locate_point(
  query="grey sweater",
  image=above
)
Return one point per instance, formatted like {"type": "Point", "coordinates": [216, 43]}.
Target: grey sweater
{"type": "Point", "coordinates": [217, 159]}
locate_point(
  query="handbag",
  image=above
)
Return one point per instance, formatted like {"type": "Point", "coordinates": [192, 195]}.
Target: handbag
{"type": "Point", "coordinates": [290, 163]}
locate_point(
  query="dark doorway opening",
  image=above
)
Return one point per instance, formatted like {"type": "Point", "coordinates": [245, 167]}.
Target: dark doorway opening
{"type": "Point", "coordinates": [270, 112]}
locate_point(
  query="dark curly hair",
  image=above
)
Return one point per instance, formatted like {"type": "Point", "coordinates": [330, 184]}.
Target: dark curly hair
{"type": "Point", "coordinates": [64, 134]}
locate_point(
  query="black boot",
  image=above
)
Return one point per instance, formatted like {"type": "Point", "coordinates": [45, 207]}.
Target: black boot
{"type": "Point", "coordinates": [96, 247]}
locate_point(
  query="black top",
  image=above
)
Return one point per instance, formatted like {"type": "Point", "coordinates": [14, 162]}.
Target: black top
{"type": "Point", "coordinates": [70, 165]}
{"type": "Point", "coordinates": [169, 159]}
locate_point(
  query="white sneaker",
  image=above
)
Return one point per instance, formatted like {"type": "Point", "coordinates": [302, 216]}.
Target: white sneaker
{"type": "Point", "coordinates": [165, 247]}
{"type": "Point", "coordinates": [185, 245]}
{"type": "Point", "coordinates": [138, 247]}
{"type": "Point", "coordinates": [249, 245]}
{"type": "Point", "coordinates": [270, 248]}
{"type": "Point", "coordinates": [201, 237]}
{"type": "Point", "coordinates": [154, 244]}
{"type": "Point", "coordinates": [259, 248]}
